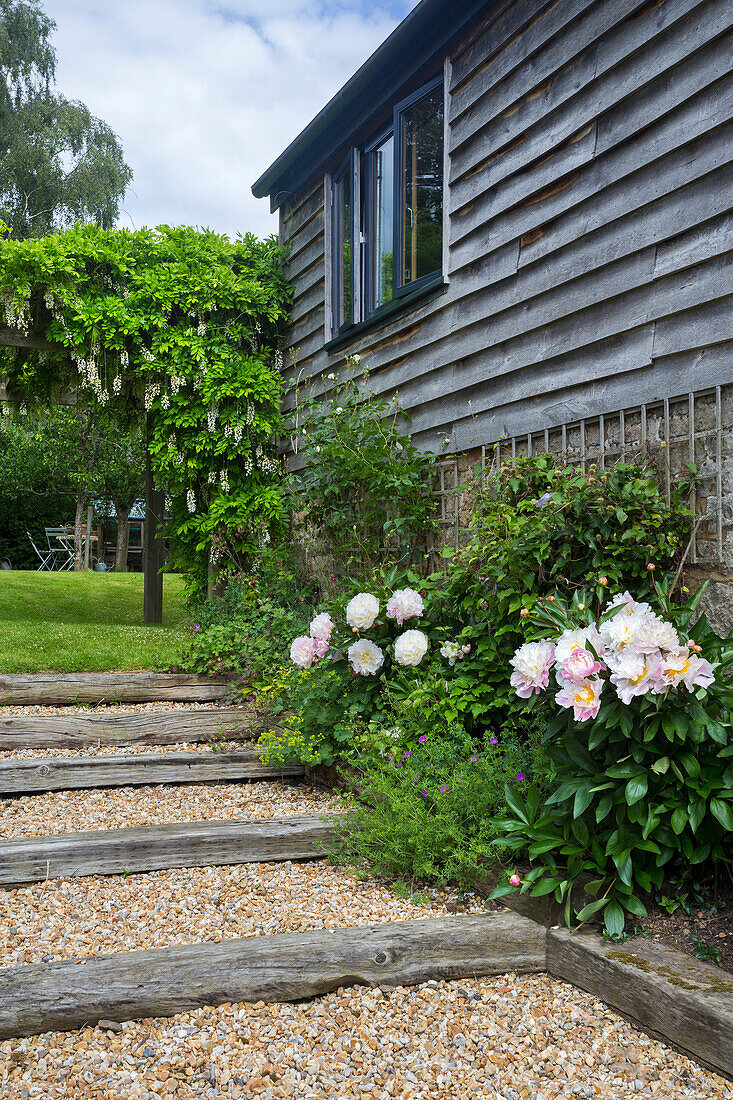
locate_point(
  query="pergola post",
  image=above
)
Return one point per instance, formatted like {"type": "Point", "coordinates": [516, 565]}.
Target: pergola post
{"type": "Point", "coordinates": [152, 545]}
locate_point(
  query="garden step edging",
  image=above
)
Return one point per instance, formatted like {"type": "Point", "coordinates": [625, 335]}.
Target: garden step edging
{"type": "Point", "coordinates": [163, 847]}
{"type": "Point", "coordinates": [64, 773]}
{"type": "Point", "coordinates": [68, 688]}
{"type": "Point", "coordinates": [165, 727]}
{"type": "Point", "coordinates": [157, 982]}
{"type": "Point", "coordinates": [670, 996]}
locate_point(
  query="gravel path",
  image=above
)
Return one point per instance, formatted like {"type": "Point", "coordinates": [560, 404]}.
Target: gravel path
{"type": "Point", "coordinates": [508, 1038]}
{"type": "Point", "coordinates": [10, 709]}
{"type": "Point", "coordinates": [123, 750]}
{"type": "Point", "coordinates": [129, 807]}
{"type": "Point", "coordinates": [71, 918]}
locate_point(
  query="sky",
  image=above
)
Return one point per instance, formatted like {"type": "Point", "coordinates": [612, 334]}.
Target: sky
{"type": "Point", "coordinates": [205, 94]}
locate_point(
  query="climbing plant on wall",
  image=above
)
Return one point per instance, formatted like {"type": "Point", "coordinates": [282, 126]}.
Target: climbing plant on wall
{"type": "Point", "coordinates": [177, 326]}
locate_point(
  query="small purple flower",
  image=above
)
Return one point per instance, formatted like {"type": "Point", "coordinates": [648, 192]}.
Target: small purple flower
{"type": "Point", "coordinates": [408, 753]}
{"type": "Point", "coordinates": [425, 794]}
{"type": "Point", "coordinates": [494, 740]}
{"type": "Point", "coordinates": [423, 738]}
{"type": "Point", "coordinates": [520, 776]}
{"type": "Point", "coordinates": [196, 626]}
{"type": "Point", "coordinates": [444, 788]}
{"type": "Point", "coordinates": [543, 500]}
{"type": "Point", "coordinates": [474, 759]}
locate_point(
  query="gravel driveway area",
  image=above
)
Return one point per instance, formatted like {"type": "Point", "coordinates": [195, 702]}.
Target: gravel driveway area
{"type": "Point", "coordinates": [129, 807]}
{"type": "Point", "coordinates": [507, 1038]}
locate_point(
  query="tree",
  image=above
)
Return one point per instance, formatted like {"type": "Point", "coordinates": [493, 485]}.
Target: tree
{"type": "Point", "coordinates": [178, 325]}
{"type": "Point", "coordinates": [58, 163]}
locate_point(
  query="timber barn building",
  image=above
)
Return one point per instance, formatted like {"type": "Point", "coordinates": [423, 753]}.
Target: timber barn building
{"type": "Point", "coordinates": [520, 216]}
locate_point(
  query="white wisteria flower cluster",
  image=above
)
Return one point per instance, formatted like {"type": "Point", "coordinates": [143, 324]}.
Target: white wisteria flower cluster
{"type": "Point", "coordinates": [632, 648]}
{"type": "Point", "coordinates": [365, 656]}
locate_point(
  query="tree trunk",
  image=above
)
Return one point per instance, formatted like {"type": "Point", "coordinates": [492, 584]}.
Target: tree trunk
{"type": "Point", "coordinates": [81, 497]}
{"type": "Point", "coordinates": [123, 538]}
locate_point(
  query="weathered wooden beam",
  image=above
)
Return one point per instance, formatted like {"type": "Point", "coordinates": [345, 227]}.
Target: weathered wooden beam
{"type": "Point", "coordinates": [65, 688]}
{"type": "Point", "coordinates": [13, 338]}
{"type": "Point", "coordinates": [66, 773]}
{"type": "Point", "coordinates": [671, 996]}
{"type": "Point", "coordinates": [164, 981]}
{"type": "Point", "coordinates": [58, 731]}
{"type": "Point", "coordinates": [159, 847]}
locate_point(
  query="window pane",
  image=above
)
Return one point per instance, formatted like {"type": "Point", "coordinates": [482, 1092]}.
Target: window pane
{"type": "Point", "coordinates": [343, 282]}
{"type": "Point", "coordinates": [383, 221]}
{"type": "Point", "coordinates": [422, 188]}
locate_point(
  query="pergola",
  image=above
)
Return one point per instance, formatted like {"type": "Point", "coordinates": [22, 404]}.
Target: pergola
{"type": "Point", "coordinates": [154, 498]}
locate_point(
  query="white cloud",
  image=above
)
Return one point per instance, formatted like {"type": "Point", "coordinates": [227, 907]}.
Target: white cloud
{"type": "Point", "coordinates": [204, 94]}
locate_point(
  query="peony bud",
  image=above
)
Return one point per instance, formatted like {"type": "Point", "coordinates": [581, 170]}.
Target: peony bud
{"type": "Point", "coordinates": [651, 567]}
{"type": "Point", "coordinates": [550, 599]}
{"type": "Point", "coordinates": [581, 607]}
{"type": "Point", "coordinates": [514, 880]}
{"type": "Point", "coordinates": [524, 612]}
{"type": "Point", "coordinates": [603, 581]}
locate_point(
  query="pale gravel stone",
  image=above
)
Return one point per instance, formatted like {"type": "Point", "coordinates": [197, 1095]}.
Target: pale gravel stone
{"type": "Point", "coordinates": [123, 750]}
{"type": "Point", "coordinates": [359, 1042]}
{"type": "Point", "coordinates": [9, 709]}
{"type": "Point", "coordinates": [71, 918]}
{"type": "Point", "coordinates": [128, 807]}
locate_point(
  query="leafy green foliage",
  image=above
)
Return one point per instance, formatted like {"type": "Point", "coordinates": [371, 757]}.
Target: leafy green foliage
{"type": "Point", "coordinates": [37, 487]}
{"type": "Point", "coordinates": [58, 163]}
{"type": "Point", "coordinates": [639, 792]}
{"type": "Point", "coordinates": [181, 325]}
{"type": "Point", "coordinates": [427, 813]}
{"type": "Point", "coordinates": [539, 526]}
{"type": "Point", "coordinates": [364, 489]}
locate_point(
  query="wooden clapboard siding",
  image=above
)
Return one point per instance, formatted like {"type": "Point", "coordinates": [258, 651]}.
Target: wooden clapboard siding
{"type": "Point", "coordinates": [590, 214]}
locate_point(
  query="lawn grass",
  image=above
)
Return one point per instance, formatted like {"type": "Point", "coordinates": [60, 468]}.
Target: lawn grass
{"type": "Point", "coordinates": [86, 622]}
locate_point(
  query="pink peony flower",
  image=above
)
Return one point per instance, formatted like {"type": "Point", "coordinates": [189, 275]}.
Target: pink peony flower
{"type": "Point", "coordinates": [320, 646]}
{"type": "Point", "coordinates": [580, 665]}
{"type": "Point", "coordinates": [584, 698]}
{"type": "Point", "coordinates": [303, 652]}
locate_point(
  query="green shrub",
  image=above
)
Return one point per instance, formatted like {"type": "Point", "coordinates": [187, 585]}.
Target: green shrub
{"type": "Point", "coordinates": [363, 490]}
{"type": "Point", "coordinates": [538, 527]}
{"type": "Point", "coordinates": [643, 785]}
{"type": "Point", "coordinates": [427, 813]}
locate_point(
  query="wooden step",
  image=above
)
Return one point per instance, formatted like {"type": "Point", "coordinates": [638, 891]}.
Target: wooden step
{"type": "Point", "coordinates": [163, 981]}
{"type": "Point", "coordinates": [66, 688]}
{"type": "Point", "coordinates": [67, 773]}
{"type": "Point", "coordinates": [162, 727]}
{"type": "Point", "coordinates": [159, 847]}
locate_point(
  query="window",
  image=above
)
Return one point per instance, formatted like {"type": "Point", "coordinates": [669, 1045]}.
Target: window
{"type": "Point", "coordinates": [387, 212]}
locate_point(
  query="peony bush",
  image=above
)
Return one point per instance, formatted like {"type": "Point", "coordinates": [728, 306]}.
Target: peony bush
{"type": "Point", "coordinates": [641, 749]}
{"type": "Point", "coordinates": [365, 657]}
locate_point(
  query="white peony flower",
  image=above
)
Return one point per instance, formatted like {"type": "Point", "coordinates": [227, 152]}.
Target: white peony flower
{"type": "Point", "coordinates": [404, 604]}
{"type": "Point", "coordinates": [620, 632]}
{"type": "Point", "coordinates": [322, 626]}
{"type": "Point", "coordinates": [362, 610]}
{"type": "Point", "coordinates": [410, 647]}
{"type": "Point", "coordinates": [532, 663]}
{"type": "Point", "coordinates": [655, 633]}
{"type": "Point", "coordinates": [628, 606]}
{"type": "Point", "coordinates": [365, 657]}
{"type": "Point", "coordinates": [303, 652]}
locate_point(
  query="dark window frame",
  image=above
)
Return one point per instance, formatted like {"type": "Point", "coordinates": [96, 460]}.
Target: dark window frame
{"type": "Point", "coordinates": [361, 162]}
{"type": "Point", "coordinates": [400, 288]}
{"type": "Point", "coordinates": [347, 169]}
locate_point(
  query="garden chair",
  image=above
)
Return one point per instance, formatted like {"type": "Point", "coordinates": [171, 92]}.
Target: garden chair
{"type": "Point", "coordinates": [63, 553]}
{"type": "Point", "coordinates": [46, 556]}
